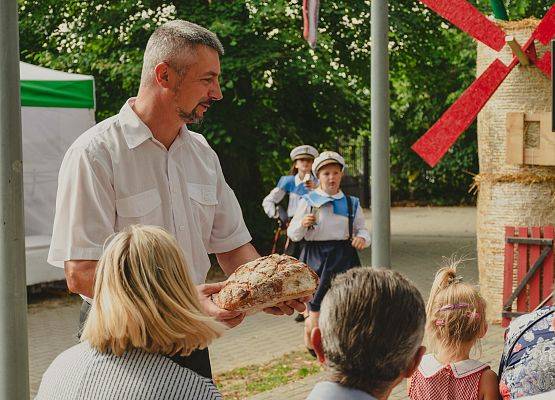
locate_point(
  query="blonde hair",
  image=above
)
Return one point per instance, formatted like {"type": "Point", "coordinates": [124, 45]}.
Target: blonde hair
{"type": "Point", "coordinates": [455, 311]}
{"type": "Point", "coordinates": [144, 298]}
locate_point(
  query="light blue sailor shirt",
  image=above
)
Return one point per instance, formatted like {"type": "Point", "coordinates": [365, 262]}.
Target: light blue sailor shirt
{"type": "Point", "coordinates": [290, 184]}
{"type": "Point", "coordinates": [332, 222]}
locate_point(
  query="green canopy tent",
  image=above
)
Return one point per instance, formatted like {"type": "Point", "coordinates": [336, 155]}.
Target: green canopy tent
{"type": "Point", "coordinates": [56, 107]}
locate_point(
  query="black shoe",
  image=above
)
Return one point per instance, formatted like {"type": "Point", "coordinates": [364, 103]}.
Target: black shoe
{"type": "Point", "coordinates": [312, 352]}
{"type": "Point", "coordinates": [299, 317]}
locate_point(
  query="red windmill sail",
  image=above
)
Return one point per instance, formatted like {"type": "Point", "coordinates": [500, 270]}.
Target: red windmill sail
{"type": "Point", "coordinates": [433, 145]}
{"type": "Point", "coordinates": [465, 16]}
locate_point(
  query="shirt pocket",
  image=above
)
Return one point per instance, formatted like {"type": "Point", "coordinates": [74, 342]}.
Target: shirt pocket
{"type": "Point", "coordinates": [203, 203]}
{"type": "Point", "coordinates": [141, 208]}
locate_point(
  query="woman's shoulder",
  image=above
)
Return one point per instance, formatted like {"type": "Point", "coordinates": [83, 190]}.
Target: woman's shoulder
{"type": "Point", "coordinates": [76, 354]}
{"type": "Point", "coordinates": [160, 377]}
{"type": "Point", "coordinates": [62, 378]}
{"type": "Point", "coordinates": [135, 372]}
{"type": "Point", "coordinates": [189, 384]}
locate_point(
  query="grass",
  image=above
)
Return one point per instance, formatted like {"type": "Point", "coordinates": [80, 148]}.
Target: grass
{"type": "Point", "coordinates": [247, 381]}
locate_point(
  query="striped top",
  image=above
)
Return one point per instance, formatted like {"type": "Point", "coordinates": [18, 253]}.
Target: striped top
{"type": "Point", "coordinates": [83, 373]}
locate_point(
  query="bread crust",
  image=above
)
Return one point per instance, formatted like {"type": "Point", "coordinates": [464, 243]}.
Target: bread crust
{"type": "Point", "coordinates": [265, 282]}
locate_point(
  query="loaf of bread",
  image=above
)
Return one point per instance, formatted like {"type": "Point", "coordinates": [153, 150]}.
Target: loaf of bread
{"type": "Point", "coordinates": [265, 282]}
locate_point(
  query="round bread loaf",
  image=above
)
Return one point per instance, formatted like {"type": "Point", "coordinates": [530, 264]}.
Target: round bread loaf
{"type": "Point", "coordinates": [265, 282]}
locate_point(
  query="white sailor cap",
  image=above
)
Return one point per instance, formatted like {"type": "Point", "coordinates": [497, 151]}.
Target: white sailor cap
{"type": "Point", "coordinates": [304, 151]}
{"type": "Point", "coordinates": [325, 158]}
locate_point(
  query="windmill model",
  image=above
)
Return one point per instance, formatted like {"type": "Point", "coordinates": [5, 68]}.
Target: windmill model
{"type": "Point", "coordinates": [441, 136]}
{"type": "Point", "coordinates": [511, 99]}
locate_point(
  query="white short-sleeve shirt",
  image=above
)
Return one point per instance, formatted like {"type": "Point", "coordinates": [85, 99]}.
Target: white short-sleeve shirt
{"type": "Point", "coordinates": [117, 174]}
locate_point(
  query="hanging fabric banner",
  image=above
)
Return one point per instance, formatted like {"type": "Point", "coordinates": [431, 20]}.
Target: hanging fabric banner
{"type": "Point", "coordinates": [310, 21]}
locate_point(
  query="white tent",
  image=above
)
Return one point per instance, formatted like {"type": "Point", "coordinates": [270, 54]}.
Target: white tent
{"type": "Point", "coordinates": [56, 107]}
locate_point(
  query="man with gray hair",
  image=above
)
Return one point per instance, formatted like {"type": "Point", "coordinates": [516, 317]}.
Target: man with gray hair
{"type": "Point", "coordinates": [370, 333]}
{"type": "Point", "coordinates": [144, 166]}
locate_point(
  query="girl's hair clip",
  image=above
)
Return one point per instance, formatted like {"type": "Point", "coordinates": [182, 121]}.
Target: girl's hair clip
{"type": "Point", "coordinates": [455, 279]}
{"type": "Point", "coordinates": [440, 322]}
{"type": "Point", "coordinates": [457, 306]}
{"type": "Point", "coordinates": [473, 314]}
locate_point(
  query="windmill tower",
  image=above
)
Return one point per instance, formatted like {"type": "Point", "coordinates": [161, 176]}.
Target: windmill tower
{"type": "Point", "coordinates": [511, 98]}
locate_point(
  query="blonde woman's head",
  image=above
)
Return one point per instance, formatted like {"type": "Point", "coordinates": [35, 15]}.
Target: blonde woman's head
{"type": "Point", "coordinates": [455, 312]}
{"type": "Point", "coordinates": [144, 297]}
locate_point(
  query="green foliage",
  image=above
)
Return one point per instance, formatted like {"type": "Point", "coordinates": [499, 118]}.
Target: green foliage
{"type": "Point", "coordinates": [431, 65]}
{"type": "Point", "coordinates": [519, 9]}
{"type": "Point", "coordinates": [278, 92]}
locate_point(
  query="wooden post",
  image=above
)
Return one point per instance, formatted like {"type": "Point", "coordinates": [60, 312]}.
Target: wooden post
{"type": "Point", "coordinates": [517, 50]}
{"type": "Point", "coordinates": [535, 294]}
{"type": "Point", "coordinates": [522, 268]}
{"type": "Point", "coordinates": [508, 270]}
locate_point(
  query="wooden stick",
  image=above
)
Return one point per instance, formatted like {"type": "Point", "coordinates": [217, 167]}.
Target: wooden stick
{"type": "Point", "coordinates": [517, 50]}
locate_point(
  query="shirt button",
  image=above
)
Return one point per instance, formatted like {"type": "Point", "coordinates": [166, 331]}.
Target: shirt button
{"type": "Point", "coordinates": [182, 228]}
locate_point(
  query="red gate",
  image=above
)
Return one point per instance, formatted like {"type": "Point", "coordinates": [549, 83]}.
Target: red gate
{"type": "Point", "coordinates": [531, 273]}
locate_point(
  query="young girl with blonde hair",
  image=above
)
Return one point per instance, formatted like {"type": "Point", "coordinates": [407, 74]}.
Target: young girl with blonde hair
{"type": "Point", "coordinates": [145, 315]}
{"type": "Point", "coordinates": [455, 323]}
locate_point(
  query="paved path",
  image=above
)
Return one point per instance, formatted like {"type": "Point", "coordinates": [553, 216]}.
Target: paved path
{"type": "Point", "coordinates": [420, 238]}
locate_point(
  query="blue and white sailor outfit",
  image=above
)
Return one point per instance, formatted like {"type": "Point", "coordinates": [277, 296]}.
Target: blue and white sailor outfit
{"type": "Point", "coordinates": [326, 246]}
{"type": "Point", "coordinates": [291, 185]}
{"type": "Point", "coordinates": [295, 188]}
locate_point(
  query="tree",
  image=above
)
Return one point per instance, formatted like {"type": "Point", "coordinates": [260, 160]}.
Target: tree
{"type": "Point", "coordinates": [278, 92]}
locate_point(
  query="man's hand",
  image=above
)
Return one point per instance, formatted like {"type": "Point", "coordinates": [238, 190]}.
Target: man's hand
{"type": "Point", "coordinates": [229, 318]}
{"type": "Point", "coordinates": [358, 243]}
{"type": "Point", "coordinates": [288, 307]}
{"type": "Point", "coordinates": [308, 220]}
{"type": "Point", "coordinates": [310, 323]}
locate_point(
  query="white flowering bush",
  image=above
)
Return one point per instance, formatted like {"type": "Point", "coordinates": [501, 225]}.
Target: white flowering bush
{"type": "Point", "coordinates": [277, 91]}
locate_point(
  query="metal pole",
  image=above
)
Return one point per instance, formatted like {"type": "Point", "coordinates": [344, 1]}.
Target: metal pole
{"type": "Point", "coordinates": [365, 198]}
{"type": "Point", "coordinates": [381, 198]}
{"type": "Point", "coordinates": [14, 362]}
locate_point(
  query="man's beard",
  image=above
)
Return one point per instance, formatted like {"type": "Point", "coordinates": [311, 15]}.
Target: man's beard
{"type": "Point", "coordinates": [192, 117]}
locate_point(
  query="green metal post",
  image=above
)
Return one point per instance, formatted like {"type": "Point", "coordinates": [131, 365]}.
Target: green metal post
{"type": "Point", "coordinates": [14, 362]}
{"type": "Point", "coordinates": [499, 10]}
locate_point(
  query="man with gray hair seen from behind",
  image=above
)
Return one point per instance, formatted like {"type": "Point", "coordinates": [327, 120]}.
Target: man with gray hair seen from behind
{"type": "Point", "coordinates": [369, 336]}
{"type": "Point", "coordinates": [144, 166]}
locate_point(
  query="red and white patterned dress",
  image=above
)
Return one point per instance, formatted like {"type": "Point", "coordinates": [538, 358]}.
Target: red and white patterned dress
{"type": "Point", "coordinates": [455, 381]}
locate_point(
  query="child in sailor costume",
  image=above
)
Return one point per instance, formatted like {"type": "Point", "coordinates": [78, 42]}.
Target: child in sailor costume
{"type": "Point", "coordinates": [298, 183]}
{"type": "Point", "coordinates": [329, 226]}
